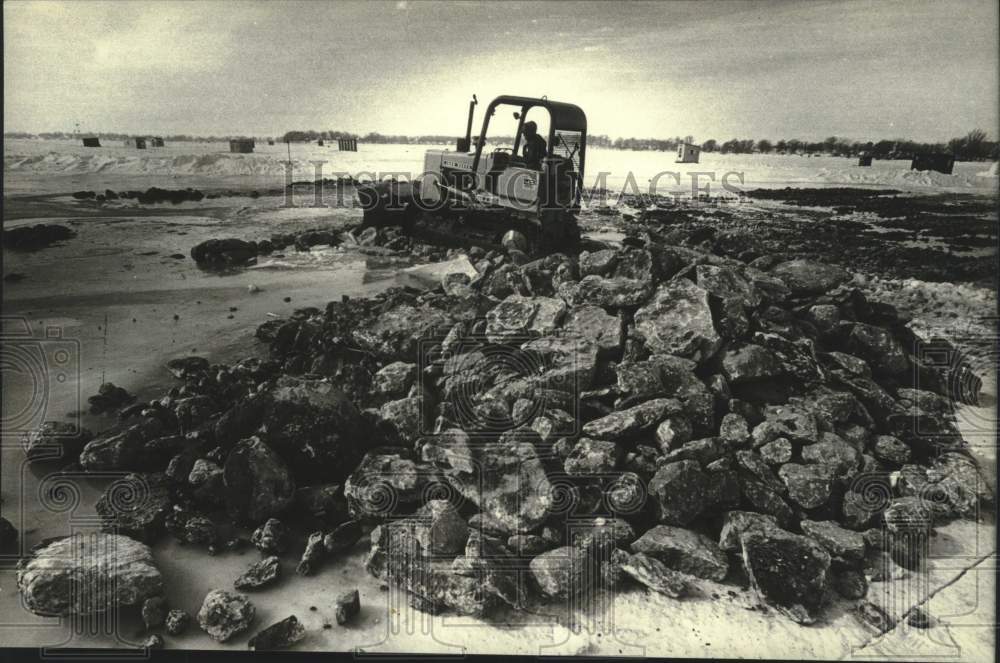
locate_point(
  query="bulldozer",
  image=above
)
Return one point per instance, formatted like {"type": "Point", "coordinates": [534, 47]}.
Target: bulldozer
{"type": "Point", "coordinates": [477, 194]}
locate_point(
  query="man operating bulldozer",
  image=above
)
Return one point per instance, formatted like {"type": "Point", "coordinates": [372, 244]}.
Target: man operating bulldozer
{"type": "Point", "coordinates": [534, 146]}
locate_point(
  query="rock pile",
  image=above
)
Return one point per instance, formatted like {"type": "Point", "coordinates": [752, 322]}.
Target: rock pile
{"type": "Point", "coordinates": [653, 414]}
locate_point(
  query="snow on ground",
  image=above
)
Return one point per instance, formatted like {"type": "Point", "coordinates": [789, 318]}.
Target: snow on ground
{"type": "Point", "coordinates": [39, 165]}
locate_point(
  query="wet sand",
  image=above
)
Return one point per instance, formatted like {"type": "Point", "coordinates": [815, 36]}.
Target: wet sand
{"type": "Point", "coordinates": [109, 269]}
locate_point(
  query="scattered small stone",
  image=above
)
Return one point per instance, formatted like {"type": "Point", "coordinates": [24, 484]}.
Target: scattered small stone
{"type": "Point", "coordinates": [313, 555]}
{"type": "Point", "coordinates": [347, 606]}
{"type": "Point", "coordinates": [281, 635]}
{"type": "Point", "coordinates": [177, 621]}
{"type": "Point", "coordinates": [154, 611]}
{"type": "Point", "coordinates": [224, 614]}
{"type": "Point", "coordinates": [153, 642]}
{"type": "Point", "coordinates": [260, 574]}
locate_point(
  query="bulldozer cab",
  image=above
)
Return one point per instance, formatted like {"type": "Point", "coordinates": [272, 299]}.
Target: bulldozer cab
{"type": "Point", "coordinates": [552, 183]}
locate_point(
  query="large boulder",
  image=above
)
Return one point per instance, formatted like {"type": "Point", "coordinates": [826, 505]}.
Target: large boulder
{"type": "Point", "coordinates": [594, 324]}
{"type": "Point", "coordinates": [678, 321]}
{"type": "Point", "coordinates": [808, 277]}
{"type": "Point", "coordinates": [684, 550]}
{"type": "Point", "coordinates": [507, 482]}
{"type": "Point", "coordinates": [398, 333]}
{"type": "Point", "coordinates": [518, 318]}
{"type": "Point", "coordinates": [788, 571]}
{"type": "Point", "coordinates": [562, 572]}
{"type": "Point", "coordinates": [681, 492]}
{"type": "Point", "coordinates": [432, 583]}
{"type": "Point", "coordinates": [315, 428]}
{"type": "Point", "coordinates": [608, 293]}
{"type": "Point", "coordinates": [388, 483]}
{"type": "Point", "coordinates": [258, 485]}
{"type": "Point", "coordinates": [136, 505]}
{"type": "Point", "coordinates": [83, 575]}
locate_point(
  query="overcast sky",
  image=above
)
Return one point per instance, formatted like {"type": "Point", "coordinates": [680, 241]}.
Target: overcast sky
{"type": "Point", "coordinates": [806, 69]}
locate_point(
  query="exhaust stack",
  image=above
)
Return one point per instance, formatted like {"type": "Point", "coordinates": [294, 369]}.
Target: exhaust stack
{"type": "Point", "coordinates": [465, 144]}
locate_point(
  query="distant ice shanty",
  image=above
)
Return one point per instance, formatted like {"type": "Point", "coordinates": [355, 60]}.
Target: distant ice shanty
{"type": "Point", "coordinates": [939, 161]}
{"type": "Point", "coordinates": [347, 144]}
{"type": "Point", "coordinates": [156, 141]}
{"type": "Point", "coordinates": [320, 142]}
{"type": "Point", "coordinates": [91, 141]}
{"type": "Point", "coordinates": [137, 143]}
{"type": "Point", "coordinates": [270, 141]}
{"type": "Point", "coordinates": [241, 145]}
{"type": "Point", "coordinates": [864, 159]}
{"type": "Point", "coordinates": [687, 153]}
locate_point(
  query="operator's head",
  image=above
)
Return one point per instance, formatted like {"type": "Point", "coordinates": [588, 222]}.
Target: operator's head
{"type": "Point", "coordinates": [530, 128]}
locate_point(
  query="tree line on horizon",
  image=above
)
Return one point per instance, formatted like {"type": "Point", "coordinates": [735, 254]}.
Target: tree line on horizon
{"type": "Point", "coordinates": [974, 146]}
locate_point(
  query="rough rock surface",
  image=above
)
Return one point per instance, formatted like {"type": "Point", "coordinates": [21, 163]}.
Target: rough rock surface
{"type": "Point", "coordinates": [224, 614]}
{"type": "Point", "coordinates": [82, 575]}
{"type": "Point", "coordinates": [258, 484]}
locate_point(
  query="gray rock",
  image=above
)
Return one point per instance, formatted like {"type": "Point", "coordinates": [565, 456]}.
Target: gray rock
{"type": "Point", "coordinates": [154, 611]}
{"type": "Point", "coordinates": [561, 572]}
{"type": "Point", "coordinates": [592, 457]}
{"type": "Point", "coordinates": [260, 574]}
{"type": "Point", "coordinates": [176, 622]}
{"type": "Point", "coordinates": [833, 452]}
{"type": "Point", "coordinates": [441, 531]}
{"type": "Point", "coordinates": [809, 486]}
{"type": "Point", "coordinates": [681, 492]}
{"type": "Point", "coordinates": [397, 333]}
{"type": "Point", "coordinates": [404, 417]}
{"type": "Point", "coordinates": [224, 614]}
{"type": "Point", "coordinates": [684, 550]}
{"type": "Point", "coordinates": [845, 546]}
{"type": "Point", "coordinates": [734, 429]}
{"type": "Point", "coordinates": [890, 449]}
{"type": "Point", "coordinates": [258, 483]}
{"type": "Point", "coordinates": [808, 277]}
{"type": "Point", "coordinates": [599, 263]}
{"type": "Point", "coordinates": [508, 484]}
{"type": "Point", "coordinates": [777, 451]}
{"type": "Point", "coordinates": [347, 606]}
{"type": "Point", "coordinates": [599, 536]}
{"type": "Point", "coordinates": [81, 575]}
{"type": "Point", "coordinates": [517, 317]}
{"type": "Point", "coordinates": [851, 584]}
{"type": "Point", "coordinates": [315, 428]}
{"type": "Point", "coordinates": [343, 537]}
{"type": "Point", "coordinates": [655, 575]}
{"type": "Point", "coordinates": [737, 522]}
{"type": "Point", "coordinates": [673, 432]}
{"type": "Point", "coordinates": [56, 441]}
{"type": "Point", "coordinates": [280, 635]}
{"type": "Point", "coordinates": [394, 380]}
{"type": "Point", "coordinates": [678, 321]}
{"type": "Point", "coordinates": [597, 326]}
{"type": "Point", "coordinates": [387, 484]}
{"type": "Point", "coordinates": [153, 642]}
{"type": "Point", "coordinates": [269, 538]}
{"type": "Point", "coordinates": [628, 423]}
{"type": "Point", "coordinates": [786, 570]}
{"type": "Point", "coordinates": [136, 505]}
{"type": "Point", "coordinates": [749, 363]}
{"type": "Point", "coordinates": [878, 347]}
{"type": "Point", "coordinates": [312, 556]}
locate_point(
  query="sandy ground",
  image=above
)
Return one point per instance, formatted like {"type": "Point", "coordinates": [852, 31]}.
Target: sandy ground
{"type": "Point", "coordinates": [115, 298]}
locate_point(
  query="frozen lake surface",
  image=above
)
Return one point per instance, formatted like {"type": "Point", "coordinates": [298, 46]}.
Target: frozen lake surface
{"type": "Point", "coordinates": [54, 166]}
